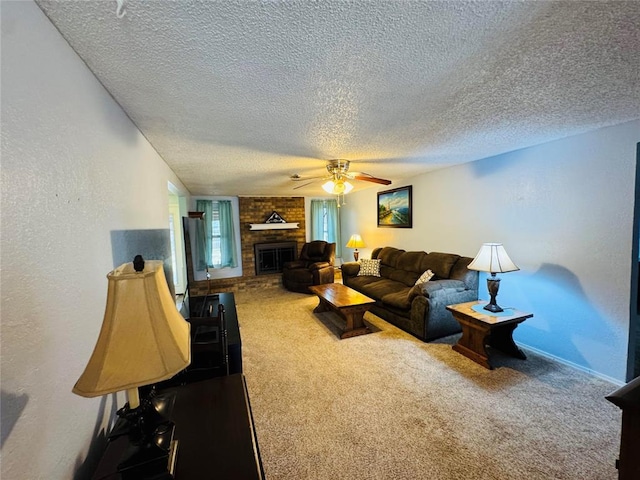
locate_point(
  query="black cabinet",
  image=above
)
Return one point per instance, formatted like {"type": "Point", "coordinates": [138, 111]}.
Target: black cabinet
{"type": "Point", "coordinates": [200, 304]}
{"type": "Point", "coordinates": [214, 431]}
{"type": "Point", "coordinates": [201, 312]}
{"type": "Point", "coordinates": [196, 306]}
{"type": "Point", "coordinates": [628, 399]}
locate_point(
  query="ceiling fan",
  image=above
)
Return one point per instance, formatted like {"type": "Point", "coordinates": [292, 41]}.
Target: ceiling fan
{"type": "Point", "coordinates": [337, 178]}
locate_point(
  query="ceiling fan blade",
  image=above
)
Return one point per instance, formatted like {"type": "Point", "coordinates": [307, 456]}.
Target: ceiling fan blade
{"type": "Point", "coordinates": [369, 178]}
{"type": "Point", "coordinates": [338, 171]}
{"type": "Point", "coordinates": [303, 185]}
{"type": "Point", "coordinates": [299, 178]}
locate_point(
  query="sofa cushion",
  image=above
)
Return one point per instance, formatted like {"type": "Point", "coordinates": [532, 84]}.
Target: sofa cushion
{"type": "Point", "coordinates": [461, 272]}
{"type": "Point", "coordinates": [400, 299]}
{"type": "Point", "coordinates": [369, 267]}
{"type": "Point", "coordinates": [295, 264]}
{"type": "Point", "coordinates": [403, 276]}
{"type": "Point", "coordinates": [440, 263]}
{"type": "Point", "coordinates": [389, 256]}
{"type": "Point", "coordinates": [359, 283]}
{"type": "Point", "coordinates": [411, 262]}
{"type": "Point", "coordinates": [430, 288]}
{"type": "Point", "coordinates": [379, 287]}
{"type": "Point", "coordinates": [425, 277]}
{"type": "Point", "coordinates": [316, 249]}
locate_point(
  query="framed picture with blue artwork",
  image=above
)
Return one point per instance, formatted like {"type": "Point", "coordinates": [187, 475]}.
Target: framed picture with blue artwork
{"type": "Point", "coordinates": [394, 208]}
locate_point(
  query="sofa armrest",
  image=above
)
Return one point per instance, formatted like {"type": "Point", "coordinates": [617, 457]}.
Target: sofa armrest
{"type": "Point", "coordinates": [431, 310]}
{"type": "Point", "coordinates": [439, 287]}
{"type": "Point", "coordinates": [350, 269]}
{"type": "Point", "coordinates": [319, 265]}
{"type": "Point", "coordinates": [294, 264]}
{"type": "Point", "coordinates": [322, 272]}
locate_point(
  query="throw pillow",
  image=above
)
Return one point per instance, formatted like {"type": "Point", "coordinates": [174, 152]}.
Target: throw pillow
{"type": "Point", "coordinates": [369, 267]}
{"type": "Point", "coordinates": [425, 277]}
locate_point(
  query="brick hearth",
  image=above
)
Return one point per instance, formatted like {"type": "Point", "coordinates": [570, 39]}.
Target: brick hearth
{"type": "Point", "coordinates": [257, 210]}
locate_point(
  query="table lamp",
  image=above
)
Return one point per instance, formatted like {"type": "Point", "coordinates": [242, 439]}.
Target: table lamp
{"type": "Point", "coordinates": [143, 340]}
{"type": "Point", "coordinates": [492, 258]}
{"type": "Point", "coordinates": [355, 242]}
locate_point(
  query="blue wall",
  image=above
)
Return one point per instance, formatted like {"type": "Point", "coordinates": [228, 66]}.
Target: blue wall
{"type": "Point", "coordinates": [564, 211]}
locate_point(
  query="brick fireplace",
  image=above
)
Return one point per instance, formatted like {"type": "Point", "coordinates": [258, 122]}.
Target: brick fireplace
{"type": "Point", "coordinates": [258, 210]}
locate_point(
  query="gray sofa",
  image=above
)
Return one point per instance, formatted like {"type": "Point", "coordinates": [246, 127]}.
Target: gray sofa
{"type": "Point", "coordinates": [417, 309]}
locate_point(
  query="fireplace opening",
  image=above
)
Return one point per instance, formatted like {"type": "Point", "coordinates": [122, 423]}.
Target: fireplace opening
{"type": "Point", "coordinates": [270, 257]}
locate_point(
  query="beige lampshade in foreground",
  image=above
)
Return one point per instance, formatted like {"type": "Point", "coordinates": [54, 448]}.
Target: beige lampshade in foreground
{"type": "Point", "coordinates": [143, 339]}
{"type": "Point", "coordinates": [355, 242]}
{"type": "Point", "coordinates": [492, 258]}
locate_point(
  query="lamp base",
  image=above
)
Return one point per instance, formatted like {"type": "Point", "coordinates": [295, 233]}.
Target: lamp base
{"type": "Point", "coordinates": [356, 254]}
{"type": "Point", "coordinates": [493, 308]}
{"type": "Point", "coordinates": [493, 285]}
{"type": "Point", "coordinates": [154, 410]}
{"type": "Point", "coordinates": [151, 457]}
{"type": "Point", "coordinates": [151, 450]}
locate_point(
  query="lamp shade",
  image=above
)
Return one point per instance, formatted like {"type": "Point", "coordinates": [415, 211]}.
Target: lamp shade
{"type": "Point", "coordinates": [143, 339]}
{"type": "Point", "coordinates": [355, 242]}
{"type": "Point", "coordinates": [492, 258]}
{"type": "Point", "coordinates": [338, 187]}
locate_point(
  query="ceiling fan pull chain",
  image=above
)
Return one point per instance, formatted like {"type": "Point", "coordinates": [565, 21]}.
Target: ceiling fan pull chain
{"type": "Point", "coordinates": [121, 10]}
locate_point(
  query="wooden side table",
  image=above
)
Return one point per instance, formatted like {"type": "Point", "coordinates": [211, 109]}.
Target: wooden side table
{"type": "Point", "coordinates": [627, 398]}
{"type": "Point", "coordinates": [481, 328]}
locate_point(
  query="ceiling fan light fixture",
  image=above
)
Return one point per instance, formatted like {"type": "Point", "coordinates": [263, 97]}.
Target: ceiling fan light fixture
{"type": "Point", "coordinates": [338, 187]}
{"type": "Point", "coordinates": [328, 186]}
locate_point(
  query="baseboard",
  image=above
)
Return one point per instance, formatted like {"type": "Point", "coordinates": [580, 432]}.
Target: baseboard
{"type": "Point", "coordinates": [572, 365]}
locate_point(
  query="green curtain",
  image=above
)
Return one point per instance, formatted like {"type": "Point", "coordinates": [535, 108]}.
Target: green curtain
{"type": "Point", "coordinates": [227, 235]}
{"type": "Point", "coordinates": [204, 244]}
{"type": "Point", "coordinates": [203, 235]}
{"type": "Point", "coordinates": [317, 220]}
{"type": "Point", "coordinates": [328, 208]}
{"type": "Point", "coordinates": [333, 225]}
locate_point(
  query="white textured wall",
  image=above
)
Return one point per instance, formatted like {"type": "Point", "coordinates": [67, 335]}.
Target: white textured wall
{"type": "Point", "coordinates": [564, 211]}
{"type": "Point", "coordinates": [74, 168]}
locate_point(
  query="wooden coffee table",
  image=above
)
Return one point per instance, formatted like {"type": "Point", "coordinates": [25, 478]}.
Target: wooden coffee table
{"type": "Point", "coordinates": [347, 303]}
{"type": "Point", "coordinates": [480, 328]}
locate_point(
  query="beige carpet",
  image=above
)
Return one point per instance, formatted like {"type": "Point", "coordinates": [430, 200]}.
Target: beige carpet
{"type": "Point", "coordinates": [388, 406]}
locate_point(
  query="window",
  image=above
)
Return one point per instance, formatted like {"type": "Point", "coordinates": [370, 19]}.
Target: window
{"type": "Point", "coordinates": [325, 223]}
{"type": "Point", "coordinates": [216, 254]}
{"type": "Point", "coordinates": [172, 238]}
{"type": "Point", "coordinates": [219, 235]}
{"type": "Point", "coordinates": [177, 206]}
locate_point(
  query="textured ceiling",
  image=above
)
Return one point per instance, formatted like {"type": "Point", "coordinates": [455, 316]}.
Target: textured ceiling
{"type": "Point", "coordinates": [238, 95]}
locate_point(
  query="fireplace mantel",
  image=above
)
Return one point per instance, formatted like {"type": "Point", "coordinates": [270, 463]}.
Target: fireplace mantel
{"type": "Point", "coordinates": [273, 226]}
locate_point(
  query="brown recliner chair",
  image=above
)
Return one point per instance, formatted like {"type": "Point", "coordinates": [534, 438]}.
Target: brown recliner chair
{"type": "Point", "coordinates": [314, 267]}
